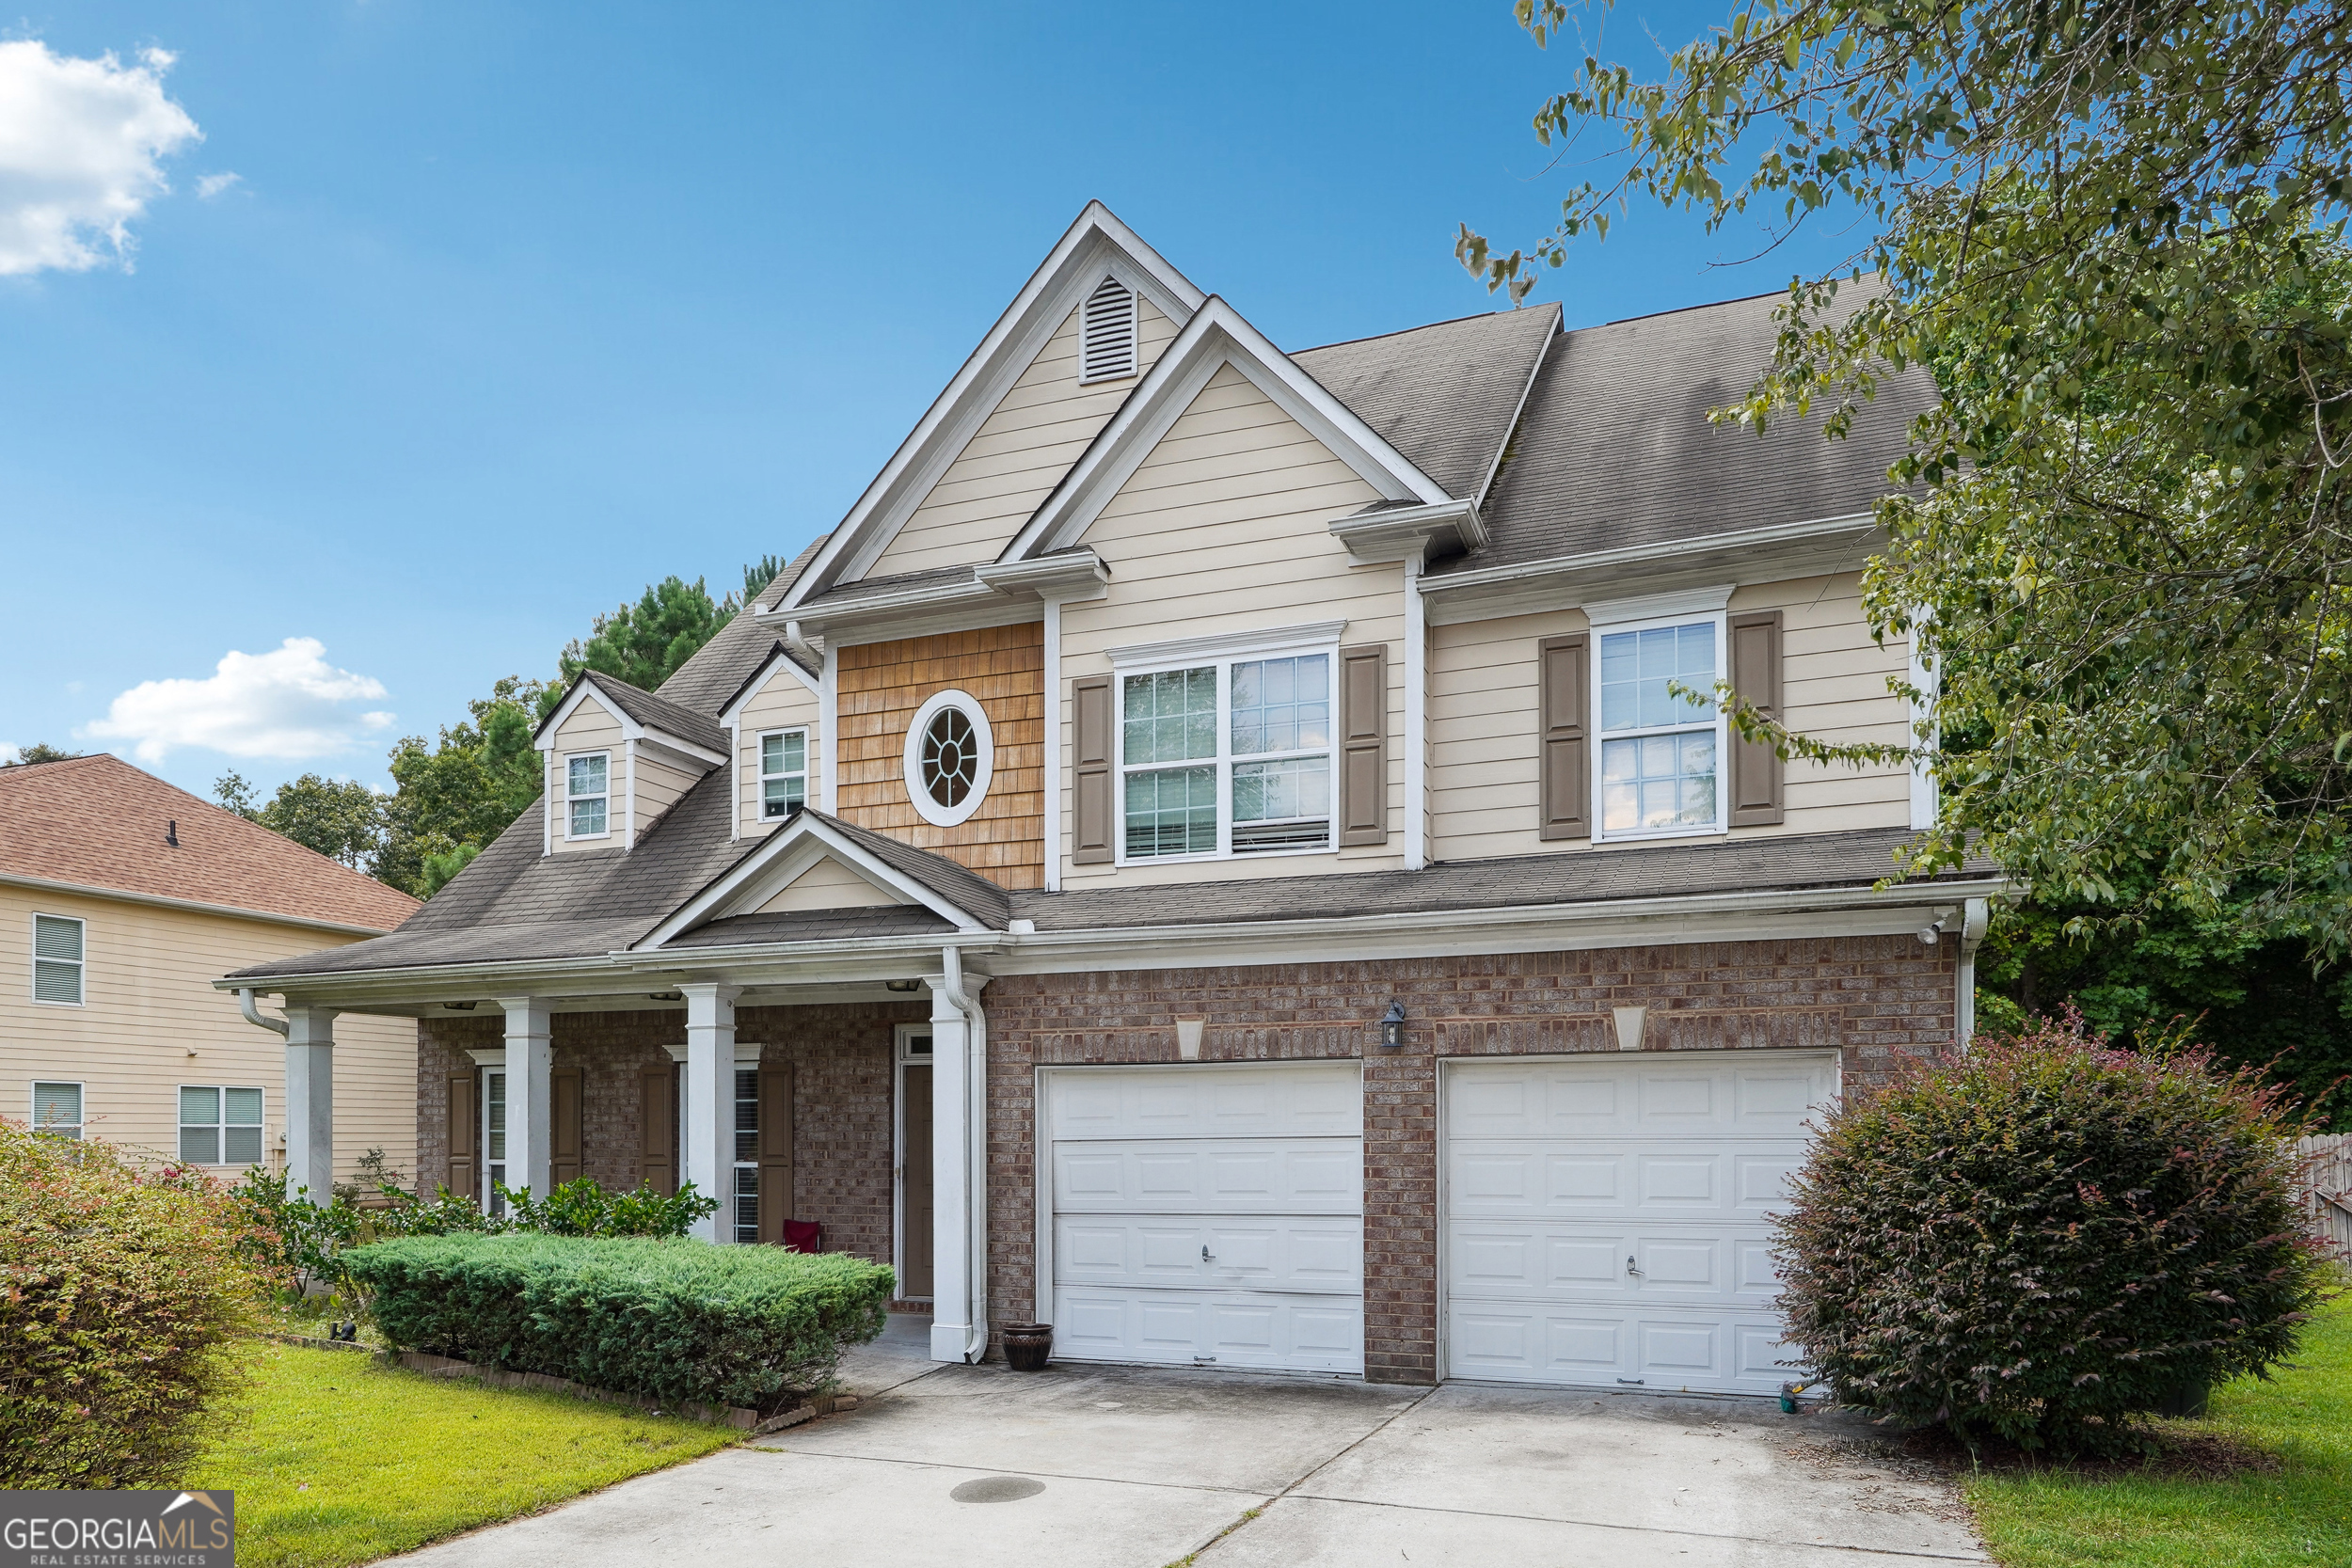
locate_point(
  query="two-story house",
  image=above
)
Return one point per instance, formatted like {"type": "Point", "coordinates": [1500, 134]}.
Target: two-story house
{"type": "Point", "coordinates": [1209, 853]}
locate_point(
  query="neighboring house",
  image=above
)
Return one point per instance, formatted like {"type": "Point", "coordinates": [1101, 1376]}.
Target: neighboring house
{"type": "Point", "coordinates": [122, 898]}
{"type": "Point", "coordinates": [1205, 854]}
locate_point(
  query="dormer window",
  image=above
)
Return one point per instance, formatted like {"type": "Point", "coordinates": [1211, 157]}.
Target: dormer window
{"type": "Point", "coordinates": [783, 773]}
{"type": "Point", "coordinates": [1108, 330]}
{"type": "Point", "coordinates": [589, 792]}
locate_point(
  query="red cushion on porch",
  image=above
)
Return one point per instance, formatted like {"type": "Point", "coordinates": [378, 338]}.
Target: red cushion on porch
{"type": "Point", "coordinates": [804, 1236]}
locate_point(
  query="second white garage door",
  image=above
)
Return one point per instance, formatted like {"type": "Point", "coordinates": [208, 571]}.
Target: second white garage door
{"type": "Point", "coordinates": [1605, 1216]}
{"type": "Point", "coordinates": [1208, 1215]}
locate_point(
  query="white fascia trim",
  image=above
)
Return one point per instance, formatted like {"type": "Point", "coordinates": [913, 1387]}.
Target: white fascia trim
{"type": "Point", "coordinates": [732, 715]}
{"type": "Point", "coordinates": [1064, 578]}
{"type": "Point", "coordinates": [1519, 409]}
{"type": "Point", "coordinates": [749, 882]}
{"type": "Point", "coordinates": [1659, 607]}
{"type": "Point", "coordinates": [1186, 650]}
{"type": "Point", "coordinates": [1215, 337]}
{"type": "Point", "coordinates": [1410, 532]}
{"type": "Point", "coordinates": [1096, 242]}
{"type": "Point", "coordinates": [156, 900]}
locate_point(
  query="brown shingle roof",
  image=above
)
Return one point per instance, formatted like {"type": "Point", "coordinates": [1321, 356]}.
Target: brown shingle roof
{"type": "Point", "coordinates": [98, 822]}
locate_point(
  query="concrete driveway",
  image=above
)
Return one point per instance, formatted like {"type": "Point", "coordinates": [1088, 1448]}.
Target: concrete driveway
{"type": "Point", "coordinates": [1131, 1468]}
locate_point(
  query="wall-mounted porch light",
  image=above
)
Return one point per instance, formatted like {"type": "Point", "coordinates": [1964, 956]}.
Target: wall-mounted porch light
{"type": "Point", "coordinates": [1392, 1026]}
{"type": "Point", "coordinates": [459, 1007]}
{"type": "Point", "coordinates": [903, 986]}
{"type": "Point", "coordinates": [665, 996]}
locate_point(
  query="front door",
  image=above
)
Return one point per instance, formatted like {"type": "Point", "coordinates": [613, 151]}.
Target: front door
{"type": "Point", "coordinates": [915, 1163]}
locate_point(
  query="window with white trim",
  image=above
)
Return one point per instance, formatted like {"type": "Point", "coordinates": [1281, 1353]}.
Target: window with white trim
{"type": "Point", "coordinates": [783, 772]}
{"type": "Point", "coordinates": [746, 1162]}
{"type": "Point", "coordinates": [1660, 753]}
{"type": "Point", "coordinates": [1232, 757]}
{"type": "Point", "coordinates": [1107, 333]}
{"type": "Point", "coordinates": [58, 941]}
{"type": "Point", "coordinates": [219, 1125]}
{"type": "Point", "coordinates": [493, 1139]}
{"type": "Point", "coordinates": [950, 757]}
{"type": "Point", "coordinates": [587, 795]}
{"type": "Point", "coordinates": [57, 1109]}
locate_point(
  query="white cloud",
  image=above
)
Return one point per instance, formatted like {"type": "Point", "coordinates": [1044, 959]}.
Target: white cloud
{"type": "Point", "coordinates": [81, 150]}
{"type": "Point", "coordinates": [211, 185]}
{"type": "Point", "coordinates": [9, 753]}
{"type": "Point", "coordinates": [288, 705]}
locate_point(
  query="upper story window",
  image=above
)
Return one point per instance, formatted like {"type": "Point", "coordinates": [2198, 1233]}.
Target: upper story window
{"type": "Point", "coordinates": [1227, 758]}
{"type": "Point", "coordinates": [1658, 753]}
{"type": "Point", "coordinates": [219, 1125]}
{"type": "Point", "coordinates": [57, 1109]}
{"type": "Point", "coordinates": [951, 758]}
{"type": "Point", "coordinates": [588, 791]}
{"type": "Point", "coordinates": [57, 960]}
{"type": "Point", "coordinates": [1107, 329]}
{"type": "Point", "coordinates": [783, 772]}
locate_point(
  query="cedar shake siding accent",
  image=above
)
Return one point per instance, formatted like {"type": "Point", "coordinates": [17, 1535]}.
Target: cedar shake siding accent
{"type": "Point", "coordinates": [1879, 1000]}
{"type": "Point", "coordinates": [880, 686]}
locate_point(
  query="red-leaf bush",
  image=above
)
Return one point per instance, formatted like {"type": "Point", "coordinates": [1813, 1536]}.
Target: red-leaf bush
{"type": "Point", "coordinates": [2045, 1237]}
{"type": "Point", "coordinates": [122, 1292]}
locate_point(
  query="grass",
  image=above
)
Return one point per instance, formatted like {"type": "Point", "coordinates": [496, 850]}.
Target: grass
{"type": "Point", "coordinates": [337, 1459]}
{"type": "Point", "coordinates": [2300, 1513]}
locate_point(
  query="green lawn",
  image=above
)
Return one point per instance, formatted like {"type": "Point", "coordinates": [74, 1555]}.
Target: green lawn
{"type": "Point", "coordinates": [337, 1459]}
{"type": "Point", "coordinates": [2300, 1514]}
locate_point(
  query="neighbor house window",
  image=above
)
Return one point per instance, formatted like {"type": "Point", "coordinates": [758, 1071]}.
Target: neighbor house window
{"type": "Point", "coordinates": [57, 1109]}
{"type": "Point", "coordinates": [783, 772]}
{"type": "Point", "coordinates": [747, 1155]}
{"type": "Point", "coordinates": [1228, 757]}
{"type": "Point", "coordinates": [220, 1126]}
{"type": "Point", "coordinates": [493, 1139]}
{"type": "Point", "coordinates": [588, 791]}
{"type": "Point", "coordinates": [1658, 751]}
{"type": "Point", "coordinates": [57, 959]}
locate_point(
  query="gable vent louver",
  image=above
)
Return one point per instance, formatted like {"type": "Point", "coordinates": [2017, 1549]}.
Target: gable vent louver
{"type": "Point", "coordinates": [1109, 332]}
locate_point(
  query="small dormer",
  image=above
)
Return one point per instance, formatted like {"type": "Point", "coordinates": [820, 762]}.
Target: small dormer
{"type": "Point", "coordinates": [618, 758]}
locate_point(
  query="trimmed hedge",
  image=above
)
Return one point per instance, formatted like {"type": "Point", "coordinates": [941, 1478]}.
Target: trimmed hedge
{"type": "Point", "coordinates": [750, 1326]}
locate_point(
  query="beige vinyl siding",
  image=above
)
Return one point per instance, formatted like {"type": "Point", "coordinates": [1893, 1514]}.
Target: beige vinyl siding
{"type": "Point", "coordinates": [1483, 720]}
{"type": "Point", "coordinates": [147, 1002]}
{"type": "Point", "coordinates": [1019, 453]}
{"type": "Point", "coordinates": [827, 885]}
{"type": "Point", "coordinates": [1224, 529]}
{"type": "Point", "coordinates": [781, 703]}
{"type": "Point", "coordinates": [592, 727]}
{"type": "Point", "coordinates": [658, 787]}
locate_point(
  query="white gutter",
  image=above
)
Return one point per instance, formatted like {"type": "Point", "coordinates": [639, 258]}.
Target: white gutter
{"type": "Point", "coordinates": [254, 1014]}
{"type": "Point", "coordinates": [976, 1151]}
{"type": "Point", "coordinates": [1635, 555]}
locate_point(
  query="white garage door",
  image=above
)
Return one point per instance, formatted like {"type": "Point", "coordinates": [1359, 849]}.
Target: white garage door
{"type": "Point", "coordinates": [1208, 1215]}
{"type": "Point", "coordinates": [1605, 1216]}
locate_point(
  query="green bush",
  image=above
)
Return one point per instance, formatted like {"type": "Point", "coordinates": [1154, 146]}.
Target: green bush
{"type": "Point", "coordinates": [676, 1320]}
{"type": "Point", "coordinates": [2046, 1237]}
{"type": "Point", "coordinates": [121, 1291]}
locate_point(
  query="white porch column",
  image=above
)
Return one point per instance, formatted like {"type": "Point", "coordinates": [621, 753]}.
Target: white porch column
{"type": "Point", "coordinates": [709, 1153]}
{"type": "Point", "coordinates": [310, 1100]}
{"type": "Point", "coordinates": [959, 1169]}
{"type": "Point", "coordinates": [529, 1125]}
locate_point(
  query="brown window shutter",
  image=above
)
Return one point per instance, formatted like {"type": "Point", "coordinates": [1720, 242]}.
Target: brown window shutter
{"type": "Point", "coordinates": [462, 1122]}
{"type": "Point", "coordinates": [657, 1125]}
{"type": "Point", "coordinates": [775, 1151]}
{"type": "Point", "coordinates": [1756, 767]}
{"type": "Point", "coordinates": [564, 1122]}
{"type": "Point", "coordinates": [1091, 816]}
{"type": "Point", "coordinates": [1564, 692]}
{"type": "Point", "coordinates": [1363, 744]}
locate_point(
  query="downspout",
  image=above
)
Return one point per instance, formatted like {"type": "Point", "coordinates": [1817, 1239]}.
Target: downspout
{"type": "Point", "coordinates": [254, 1014]}
{"type": "Point", "coordinates": [976, 1151]}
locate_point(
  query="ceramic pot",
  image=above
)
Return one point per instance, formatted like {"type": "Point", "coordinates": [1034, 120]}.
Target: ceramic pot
{"type": "Point", "coordinates": [1028, 1346]}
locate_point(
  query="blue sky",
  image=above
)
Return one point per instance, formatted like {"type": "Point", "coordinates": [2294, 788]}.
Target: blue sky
{"type": "Point", "coordinates": [511, 309]}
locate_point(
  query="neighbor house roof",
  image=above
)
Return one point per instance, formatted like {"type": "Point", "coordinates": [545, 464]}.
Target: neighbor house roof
{"type": "Point", "coordinates": [97, 822]}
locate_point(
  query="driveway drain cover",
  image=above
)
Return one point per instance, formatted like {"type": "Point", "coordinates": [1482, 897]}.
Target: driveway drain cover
{"type": "Point", "coordinates": [997, 1489]}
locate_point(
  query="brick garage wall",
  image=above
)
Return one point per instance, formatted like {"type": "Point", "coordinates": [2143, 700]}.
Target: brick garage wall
{"type": "Point", "coordinates": [1876, 999]}
{"type": "Point", "coordinates": [841, 1056]}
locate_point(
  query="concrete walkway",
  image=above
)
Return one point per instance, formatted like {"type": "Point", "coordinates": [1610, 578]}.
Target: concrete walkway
{"type": "Point", "coordinates": [955, 1466]}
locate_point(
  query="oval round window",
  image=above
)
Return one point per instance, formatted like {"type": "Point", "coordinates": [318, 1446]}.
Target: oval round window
{"type": "Point", "coordinates": [949, 758]}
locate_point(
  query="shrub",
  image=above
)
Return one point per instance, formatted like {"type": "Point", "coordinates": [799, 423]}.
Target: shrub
{"type": "Point", "coordinates": [676, 1320]}
{"type": "Point", "coordinates": [2045, 1237]}
{"type": "Point", "coordinates": [121, 1289]}
{"type": "Point", "coordinates": [581, 1208]}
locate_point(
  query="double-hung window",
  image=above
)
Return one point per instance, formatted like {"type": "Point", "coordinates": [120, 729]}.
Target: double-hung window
{"type": "Point", "coordinates": [588, 792]}
{"type": "Point", "coordinates": [220, 1126]}
{"type": "Point", "coordinates": [57, 1109]}
{"type": "Point", "coordinates": [783, 772]}
{"type": "Point", "coordinates": [57, 959]}
{"type": "Point", "coordinates": [1660, 753]}
{"type": "Point", "coordinates": [1230, 757]}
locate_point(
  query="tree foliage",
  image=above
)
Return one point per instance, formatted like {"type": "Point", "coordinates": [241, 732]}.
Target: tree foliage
{"type": "Point", "coordinates": [454, 795]}
{"type": "Point", "coordinates": [40, 750]}
{"type": "Point", "coordinates": [644, 644]}
{"type": "Point", "coordinates": [2117, 228]}
{"type": "Point", "coordinates": [341, 818]}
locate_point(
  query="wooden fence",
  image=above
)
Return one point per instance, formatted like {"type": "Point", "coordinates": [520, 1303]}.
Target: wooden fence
{"type": "Point", "coordinates": [2328, 1185]}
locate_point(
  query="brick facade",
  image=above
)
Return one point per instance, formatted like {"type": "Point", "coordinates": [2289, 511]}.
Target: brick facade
{"type": "Point", "coordinates": [1877, 999]}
